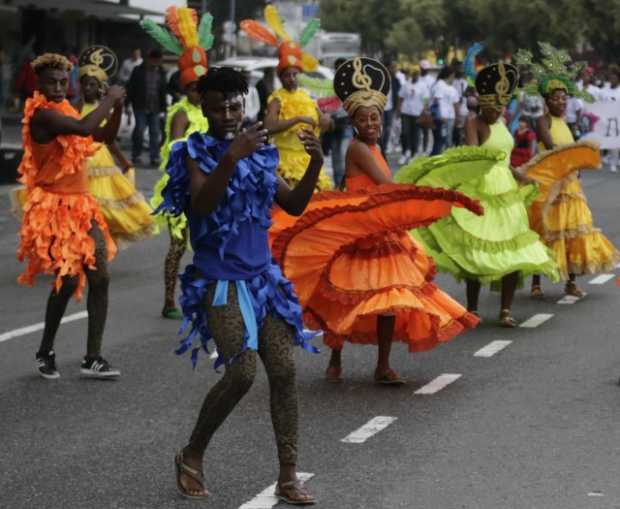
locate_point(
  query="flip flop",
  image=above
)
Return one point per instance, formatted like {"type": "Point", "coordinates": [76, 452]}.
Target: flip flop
{"type": "Point", "coordinates": [196, 475]}
{"type": "Point", "coordinates": [506, 320]}
{"type": "Point", "coordinates": [389, 377]}
{"type": "Point", "coordinates": [293, 493]}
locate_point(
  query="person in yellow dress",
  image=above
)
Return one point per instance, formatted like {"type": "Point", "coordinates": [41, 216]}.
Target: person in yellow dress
{"type": "Point", "coordinates": [183, 118]}
{"type": "Point", "coordinates": [290, 109]}
{"type": "Point", "coordinates": [564, 223]}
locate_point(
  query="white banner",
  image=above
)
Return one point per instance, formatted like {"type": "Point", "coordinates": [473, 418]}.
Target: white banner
{"type": "Point", "coordinates": [600, 122]}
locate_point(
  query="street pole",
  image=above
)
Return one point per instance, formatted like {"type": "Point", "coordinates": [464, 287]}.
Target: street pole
{"type": "Point", "coordinates": [233, 44]}
{"type": "Point", "coordinates": [203, 6]}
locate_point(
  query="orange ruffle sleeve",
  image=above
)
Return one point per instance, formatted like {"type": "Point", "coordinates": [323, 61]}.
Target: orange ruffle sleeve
{"type": "Point", "coordinates": [58, 213]}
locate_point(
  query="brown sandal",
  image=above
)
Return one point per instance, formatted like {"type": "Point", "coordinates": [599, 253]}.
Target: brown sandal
{"type": "Point", "coordinates": [573, 290]}
{"type": "Point", "coordinates": [389, 377]}
{"type": "Point", "coordinates": [537, 292]}
{"type": "Point", "coordinates": [196, 475]}
{"type": "Point", "coordinates": [333, 374]}
{"type": "Point", "coordinates": [294, 493]}
{"type": "Point", "coordinates": [506, 320]}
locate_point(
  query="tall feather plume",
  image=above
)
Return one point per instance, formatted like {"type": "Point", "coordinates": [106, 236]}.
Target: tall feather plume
{"type": "Point", "coordinates": [258, 32]}
{"type": "Point", "coordinates": [182, 21]}
{"type": "Point", "coordinates": [309, 30]}
{"type": "Point", "coordinates": [469, 65]}
{"type": "Point", "coordinates": [164, 38]}
{"type": "Point", "coordinates": [204, 31]}
{"type": "Point", "coordinates": [272, 16]}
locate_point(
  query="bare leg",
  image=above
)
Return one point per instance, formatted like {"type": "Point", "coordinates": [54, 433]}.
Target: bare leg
{"type": "Point", "coordinates": [385, 334]}
{"type": "Point", "coordinates": [171, 269]}
{"type": "Point", "coordinates": [536, 286]}
{"type": "Point", "coordinates": [509, 285]}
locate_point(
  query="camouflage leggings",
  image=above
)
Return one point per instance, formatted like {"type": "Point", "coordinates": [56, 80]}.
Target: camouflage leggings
{"type": "Point", "coordinates": [276, 352]}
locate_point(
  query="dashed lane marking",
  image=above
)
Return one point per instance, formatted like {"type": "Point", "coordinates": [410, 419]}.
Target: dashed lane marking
{"type": "Point", "coordinates": [569, 299]}
{"type": "Point", "coordinates": [266, 499]}
{"type": "Point", "coordinates": [602, 279]}
{"type": "Point", "coordinates": [492, 348]}
{"type": "Point", "coordinates": [372, 427]}
{"type": "Point", "coordinates": [536, 320]}
{"type": "Point", "coordinates": [438, 383]}
{"type": "Point", "coordinates": [39, 326]}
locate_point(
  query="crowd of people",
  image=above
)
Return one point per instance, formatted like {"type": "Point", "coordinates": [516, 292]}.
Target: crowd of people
{"type": "Point", "coordinates": [281, 252]}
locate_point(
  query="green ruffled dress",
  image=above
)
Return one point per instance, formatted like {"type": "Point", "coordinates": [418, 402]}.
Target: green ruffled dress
{"type": "Point", "coordinates": [197, 122]}
{"type": "Point", "coordinates": [499, 242]}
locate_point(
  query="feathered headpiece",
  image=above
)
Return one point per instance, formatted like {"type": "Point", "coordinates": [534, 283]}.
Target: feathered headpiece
{"type": "Point", "coordinates": [469, 64]}
{"type": "Point", "coordinates": [289, 52]}
{"type": "Point", "coordinates": [555, 71]}
{"type": "Point", "coordinates": [185, 38]}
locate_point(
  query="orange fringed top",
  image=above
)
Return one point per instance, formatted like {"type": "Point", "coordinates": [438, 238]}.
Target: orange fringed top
{"type": "Point", "coordinates": [59, 213]}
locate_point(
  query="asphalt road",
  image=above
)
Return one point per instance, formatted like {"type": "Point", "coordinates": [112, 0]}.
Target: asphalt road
{"type": "Point", "coordinates": [536, 426]}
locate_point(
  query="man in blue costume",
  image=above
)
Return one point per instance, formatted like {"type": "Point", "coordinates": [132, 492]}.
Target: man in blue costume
{"type": "Point", "coordinates": [225, 181]}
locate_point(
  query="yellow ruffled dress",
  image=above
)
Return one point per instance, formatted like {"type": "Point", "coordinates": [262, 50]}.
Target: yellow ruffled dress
{"type": "Point", "coordinates": [567, 228]}
{"type": "Point", "coordinates": [197, 123]}
{"type": "Point", "coordinates": [125, 210]}
{"type": "Point", "coordinates": [293, 158]}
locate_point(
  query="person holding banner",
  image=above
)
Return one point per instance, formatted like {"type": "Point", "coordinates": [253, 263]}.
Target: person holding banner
{"type": "Point", "coordinates": [560, 213]}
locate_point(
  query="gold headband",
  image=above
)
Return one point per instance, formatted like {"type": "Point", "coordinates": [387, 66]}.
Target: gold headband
{"type": "Point", "coordinates": [93, 71]}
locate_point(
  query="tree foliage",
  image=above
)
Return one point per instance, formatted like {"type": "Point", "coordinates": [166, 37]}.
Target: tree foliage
{"type": "Point", "coordinates": [412, 27]}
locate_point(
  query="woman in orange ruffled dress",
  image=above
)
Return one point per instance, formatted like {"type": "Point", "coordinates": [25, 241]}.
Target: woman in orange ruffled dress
{"type": "Point", "coordinates": [374, 283]}
{"type": "Point", "coordinates": [63, 232]}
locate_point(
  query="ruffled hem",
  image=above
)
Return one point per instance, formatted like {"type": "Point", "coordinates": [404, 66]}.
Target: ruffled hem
{"type": "Point", "coordinates": [54, 236]}
{"type": "Point", "coordinates": [590, 253]}
{"type": "Point", "coordinates": [270, 291]}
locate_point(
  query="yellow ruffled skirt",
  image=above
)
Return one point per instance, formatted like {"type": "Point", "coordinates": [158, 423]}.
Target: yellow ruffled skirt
{"type": "Point", "coordinates": [567, 228]}
{"type": "Point", "coordinates": [125, 210]}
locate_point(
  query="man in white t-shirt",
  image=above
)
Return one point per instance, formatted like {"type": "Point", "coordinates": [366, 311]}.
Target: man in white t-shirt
{"type": "Point", "coordinates": [444, 103]}
{"type": "Point", "coordinates": [129, 64]}
{"type": "Point", "coordinates": [460, 84]}
{"type": "Point", "coordinates": [414, 97]}
{"type": "Point", "coordinates": [611, 93]}
{"type": "Point", "coordinates": [429, 80]}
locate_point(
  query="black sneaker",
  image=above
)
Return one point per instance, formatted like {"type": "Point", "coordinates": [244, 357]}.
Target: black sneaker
{"type": "Point", "coordinates": [46, 364]}
{"type": "Point", "coordinates": [98, 368]}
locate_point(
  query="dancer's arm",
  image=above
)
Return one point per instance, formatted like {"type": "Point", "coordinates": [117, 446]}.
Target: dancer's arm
{"type": "Point", "coordinates": [294, 201]}
{"type": "Point", "coordinates": [120, 158]}
{"type": "Point", "coordinates": [542, 132]}
{"type": "Point", "coordinates": [46, 124]}
{"type": "Point", "coordinates": [179, 125]}
{"type": "Point", "coordinates": [109, 131]}
{"type": "Point", "coordinates": [471, 131]}
{"type": "Point", "coordinates": [207, 191]}
{"type": "Point", "coordinates": [274, 125]}
{"type": "Point", "coordinates": [363, 160]}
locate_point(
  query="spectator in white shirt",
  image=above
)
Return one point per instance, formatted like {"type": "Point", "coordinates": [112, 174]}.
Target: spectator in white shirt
{"type": "Point", "coordinates": [444, 103]}
{"type": "Point", "coordinates": [414, 97]}
{"type": "Point", "coordinates": [429, 80]}
{"type": "Point", "coordinates": [129, 64]}
{"type": "Point", "coordinates": [461, 85]}
{"type": "Point", "coordinates": [612, 94]}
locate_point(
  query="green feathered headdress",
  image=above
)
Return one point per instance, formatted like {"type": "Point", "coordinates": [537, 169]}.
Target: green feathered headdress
{"type": "Point", "coordinates": [554, 71]}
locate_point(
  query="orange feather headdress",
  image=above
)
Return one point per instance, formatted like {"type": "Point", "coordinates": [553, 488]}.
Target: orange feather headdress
{"type": "Point", "coordinates": [290, 53]}
{"type": "Point", "coordinates": [185, 38]}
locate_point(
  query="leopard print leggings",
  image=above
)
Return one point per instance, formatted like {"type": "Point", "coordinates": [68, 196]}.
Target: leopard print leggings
{"type": "Point", "coordinates": [96, 303]}
{"type": "Point", "coordinates": [171, 266]}
{"type": "Point", "coordinates": [276, 352]}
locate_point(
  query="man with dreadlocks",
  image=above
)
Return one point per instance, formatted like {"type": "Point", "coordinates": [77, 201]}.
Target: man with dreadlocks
{"type": "Point", "coordinates": [63, 232]}
{"type": "Point", "coordinates": [225, 182]}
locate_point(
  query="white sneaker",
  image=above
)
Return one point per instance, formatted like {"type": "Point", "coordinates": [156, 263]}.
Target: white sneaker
{"type": "Point", "coordinates": [613, 169]}
{"type": "Point", "coordinates": [98, 368]}
{"type": "Point", "coordinates": [404, 159]}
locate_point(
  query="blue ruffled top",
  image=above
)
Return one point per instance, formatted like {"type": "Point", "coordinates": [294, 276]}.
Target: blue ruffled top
{"type": "Point", "coordinates": [231, 244]}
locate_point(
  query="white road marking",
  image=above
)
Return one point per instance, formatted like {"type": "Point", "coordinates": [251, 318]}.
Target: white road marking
{"type": "Point", "coordinates": [438, 383]}
{"type": "Point", "coordinates": [372, 427]}
{"type": "Point", "coordinates": [569, 299]}
{"type": "Point", "coordinates": [492, 348]}
{"type": "Point", "coordinates": [602, 279]}
{"type": "Point", "coordinates": [266, 499]}
{"type": "Point", "coordinates": [39, 326]}
{"type": "Point", "coordinates": [595, 494]}
{"type": "Point", "coordinates": [536, 320]}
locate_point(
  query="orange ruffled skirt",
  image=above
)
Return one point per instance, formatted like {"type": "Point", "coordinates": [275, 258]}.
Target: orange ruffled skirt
{"type": "Point", "coordinates": [55, 236]}
{"type": "Point", "coordinates": [351, 260]}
